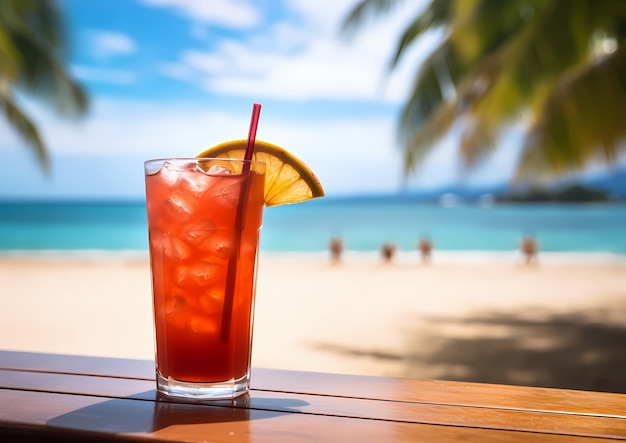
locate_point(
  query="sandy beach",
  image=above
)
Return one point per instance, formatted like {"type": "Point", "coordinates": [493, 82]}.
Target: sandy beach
{"type": "Point", "coordinates": [493, 322]}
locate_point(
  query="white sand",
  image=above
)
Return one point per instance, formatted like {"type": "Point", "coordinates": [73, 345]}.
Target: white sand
{"type": "Point", "coordinates": [305, 306]}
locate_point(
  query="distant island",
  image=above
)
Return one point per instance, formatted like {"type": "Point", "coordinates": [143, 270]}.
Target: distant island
{"type": "Point", "coordinates": [571, 194]}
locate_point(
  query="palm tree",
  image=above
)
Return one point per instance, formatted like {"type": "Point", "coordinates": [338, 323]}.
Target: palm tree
{"type": "Point", "coordinates": [558, 67]}
{"type": "Point", "coordinates": [31, 62]}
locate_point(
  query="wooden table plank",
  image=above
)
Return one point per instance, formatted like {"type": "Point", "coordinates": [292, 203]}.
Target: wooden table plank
{"type": "Point", "coordinates": [289, 402]}
{"type": "Point", "coordinates": [382, 388]}
{"type": "Point", "coordinates": [77, 364]}
{"type": "Point", "coordinates": [65, 415]}
{"type": "Point", "coordinates": [444, 392]}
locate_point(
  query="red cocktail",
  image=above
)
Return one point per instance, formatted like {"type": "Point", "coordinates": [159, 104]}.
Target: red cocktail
{"type": "Point", "coordinates": [204, 220]}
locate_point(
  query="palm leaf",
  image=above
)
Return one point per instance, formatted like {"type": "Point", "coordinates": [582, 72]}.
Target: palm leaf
{"type": "Point", "coordinates": [512, 72]}
{"type": "Point", "coordinates": [431, 109]}
{"type": "Point", "coordinates": [502, 61]}
{"type": "Point", "coordinates": [469, 68]}
{"type": "Point", "coordinates": [581, 122]}
{"type": "Point", "coordinates": [9, 58]}
{"type": "Point", "coordinates": [418, 146]}
{"type": "Point", "coordinates": [427, 94]}
{"type": "Point", "coordinates": [43, 75]}
{"type": "Point", "coordinates": [364, 10]}
{"type": "Point", "coordinates": [26, 129]}
{"type": "Point", "coordinates": [31, 59]}
{"type": "Point", "coordinates": [435, 15]}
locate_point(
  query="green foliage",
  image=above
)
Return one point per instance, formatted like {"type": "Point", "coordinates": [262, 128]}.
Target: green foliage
{"type": "Point", "coordinates": [32, 52]}
{"type": "Point", "coordinates": [557, 67]}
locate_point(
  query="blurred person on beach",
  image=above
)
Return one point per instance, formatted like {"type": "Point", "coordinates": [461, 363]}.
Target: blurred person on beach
{"type": "Point", "coordinates": [425, 246]}
{"type": "Point", "coordinates": [336, 249]}
{"type": "Point", "coordinates": [388, 250]}
{"type": "Point", "coordinates": [530, 248]}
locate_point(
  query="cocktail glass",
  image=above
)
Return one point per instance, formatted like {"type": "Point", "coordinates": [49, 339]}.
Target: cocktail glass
{"type": "Point", "coordinates": [204, 222]}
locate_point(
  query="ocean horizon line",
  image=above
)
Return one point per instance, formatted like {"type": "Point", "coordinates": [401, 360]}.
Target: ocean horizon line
{"type": "Point", "coordinates": [428, 197]}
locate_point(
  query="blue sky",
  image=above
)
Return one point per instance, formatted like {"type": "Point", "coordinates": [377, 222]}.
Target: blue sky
{"type": "Point", "coordinates": [173, 77]}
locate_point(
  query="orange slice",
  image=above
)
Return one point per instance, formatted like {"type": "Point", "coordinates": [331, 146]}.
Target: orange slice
{"type": "Point", "coordinates": [287, 178]}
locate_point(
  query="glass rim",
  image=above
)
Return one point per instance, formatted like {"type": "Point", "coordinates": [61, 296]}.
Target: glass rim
{"type": "Point", "coordinates": [197, 159]}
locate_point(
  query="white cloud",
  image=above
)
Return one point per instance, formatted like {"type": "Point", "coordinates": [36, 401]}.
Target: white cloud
{"type": "Point", "coordinates": [324, 16]}
{"type": "Point", "coordinates": [283, 37]}
{"type": "Point", "coordinates": [229, 13]}
{"type": "Point", "coordinates": [107, 44]}
{"type": "Point", "coordinates": [306, 60]}
{"type": "Point", "coordinates": [326, 71]}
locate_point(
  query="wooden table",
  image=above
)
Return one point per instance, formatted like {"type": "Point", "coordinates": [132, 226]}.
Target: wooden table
{"type": "Point", "coordinates": [47, 397]}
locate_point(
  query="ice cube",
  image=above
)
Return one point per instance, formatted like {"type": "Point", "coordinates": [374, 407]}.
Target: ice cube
{"type": "Point", "coordinates": [203, 324]}
{"type": "Point", "coordinates": [180, 206]}
{"type": "Point", "coordinates": [175, 303]}
{"type": "Point", "coordinates": [218, 245]}
{"type": "Point", "coordinates": [227, 194]}
{"type": "Point", "coordinates": [211, 302]}
{"type": "Point", "coordinates": [198, 233]}
{"type": "Point", "coordinates": [180, 275]}
{"type": "Point", "coordinates": [170, 173]}
{"type": "Point", "coordinates": [196, 181]}
{"type": "Point", "coordinates": [177, 319]}
{"type": "Point", "coordinates": [153, 168]}
{"type": "Point", "coordinates": [174, 247]}
{"type": "Point", "coordinates": [218, 170]}
{"type": "Point", "coordinates": [195, 275]}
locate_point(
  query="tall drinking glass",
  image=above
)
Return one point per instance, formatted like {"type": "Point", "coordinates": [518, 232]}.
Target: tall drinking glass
{"type": "Point", "coordinates": [204, 222]}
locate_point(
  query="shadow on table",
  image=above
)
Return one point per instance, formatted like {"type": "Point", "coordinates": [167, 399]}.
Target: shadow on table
{"type": "Point", "coordinates": [583, 350]}
{"type": "Point", "coordinates": [149, 412]}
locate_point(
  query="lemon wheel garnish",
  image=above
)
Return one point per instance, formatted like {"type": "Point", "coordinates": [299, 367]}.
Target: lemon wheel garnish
{"type": "Point", "coordinates": [287, 178]}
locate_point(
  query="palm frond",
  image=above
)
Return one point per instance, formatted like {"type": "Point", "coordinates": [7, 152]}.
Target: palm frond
{"type": "Point", "coordinates": [478, 140]}
{"type": "Point", "coordinates": [26, 129]}
{"type": "Point", "coordinates": [365, 10]}
{"type": "Point", "coordinates": [32, 49]}
{"type": "Point", "coordinates": [426, 96]}
{"type": "Point", "coordinates": [581, 122]}
{"type": "Point", "coordinates": [68, 97]}
{"type": "Point", "coordinates": [9, 58]}
{"type": "Point", "coordinates": [512, 76]}
{"type": "Point", "coordinates": [417, 147]}
{"type": "Point", "coordinates": [469, 68]}
{"type": "Point", "coordinates": [478, 134]}
{"type": "Point", "coordinates": [43, 75]}
{"type": "Point", "coordinates": [505, 59]}
{"type": "Point", "coordinates": [431, 109]}
{"type": "Point", "coordinates": [435, 15]}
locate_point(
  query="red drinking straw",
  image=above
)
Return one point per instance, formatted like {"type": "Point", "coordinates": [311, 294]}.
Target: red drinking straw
{"type": "Point", "coordinates": [229, 290]}
{"type": "Point", "coordinates": [254, 122]}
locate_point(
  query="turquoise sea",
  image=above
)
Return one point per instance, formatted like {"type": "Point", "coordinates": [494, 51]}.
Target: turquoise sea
{"type": "Point", "coordinates": [584, 232]}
